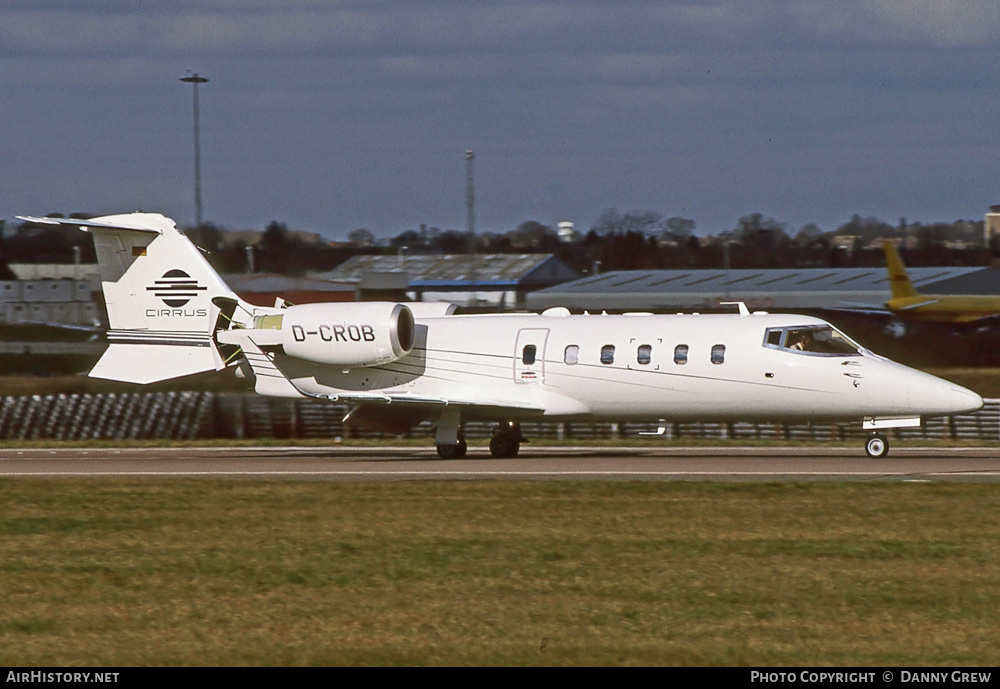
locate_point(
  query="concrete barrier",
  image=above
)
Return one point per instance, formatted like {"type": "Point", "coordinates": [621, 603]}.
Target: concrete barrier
{"type": "Point", "coordinates": [206, 415]}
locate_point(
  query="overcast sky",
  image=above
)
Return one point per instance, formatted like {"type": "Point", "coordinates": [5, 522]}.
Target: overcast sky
{"type": "Point", "coordinates": [338, 115]}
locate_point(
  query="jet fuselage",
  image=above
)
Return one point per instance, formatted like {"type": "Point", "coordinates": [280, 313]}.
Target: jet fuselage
{"type": "Point", "coordinates": [705, 367]}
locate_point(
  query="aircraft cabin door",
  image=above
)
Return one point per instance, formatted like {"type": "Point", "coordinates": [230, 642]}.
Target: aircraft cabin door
{"type": "Point", "coordinates": [529, 355]}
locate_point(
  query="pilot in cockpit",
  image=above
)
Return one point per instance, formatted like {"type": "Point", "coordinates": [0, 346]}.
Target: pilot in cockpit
{"type": "Point", "coordinates": [802, 341]}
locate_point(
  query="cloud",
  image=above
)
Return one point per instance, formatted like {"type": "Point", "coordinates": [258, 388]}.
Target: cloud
{"type": "Point", "coordinates": [360, 110]}
{"type": "Point", "coordinates": [915, 23]}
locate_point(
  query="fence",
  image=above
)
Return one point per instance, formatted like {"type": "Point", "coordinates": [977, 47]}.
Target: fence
{"type": "Point", "coordinates": [204, 415]}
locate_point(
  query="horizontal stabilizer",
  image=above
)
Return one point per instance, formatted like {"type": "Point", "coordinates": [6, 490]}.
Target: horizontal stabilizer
{"type": "Point", "coordinates": [151, 363]}
{"type": "Point", "coordinates": [134, 225]}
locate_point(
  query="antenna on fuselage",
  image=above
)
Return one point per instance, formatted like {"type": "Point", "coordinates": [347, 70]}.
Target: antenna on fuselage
{"type": "Point", "coordinates": [744, 311]}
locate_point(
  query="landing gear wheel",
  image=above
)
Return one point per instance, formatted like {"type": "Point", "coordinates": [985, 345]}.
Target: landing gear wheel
{"type": "Point", "coordinates": [456, 451]}
{"type": "Point", "coordinates": [877, 446]}
{"type": "Point", "coordinates": [504, 445]}
{"type": "Point", "coordinates": [507, 439]}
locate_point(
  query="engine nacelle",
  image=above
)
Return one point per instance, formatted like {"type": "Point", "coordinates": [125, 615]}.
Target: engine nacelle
{"type": "Point", "coordinates": [352, 334]}
{"type": "Point", "coordinates": [431, 309]}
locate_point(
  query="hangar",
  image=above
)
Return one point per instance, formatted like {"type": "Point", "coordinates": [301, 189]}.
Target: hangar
{"type": "Point", "coordinates": [496, 280]}
{"type": "Point", "coordinates": [778, 289]}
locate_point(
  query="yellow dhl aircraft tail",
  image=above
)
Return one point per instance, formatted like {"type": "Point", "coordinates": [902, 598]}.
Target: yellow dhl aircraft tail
{"type": "Point", "coordinates": [908, 303]}
{"type": "Point", "coordinates": [899, 281]}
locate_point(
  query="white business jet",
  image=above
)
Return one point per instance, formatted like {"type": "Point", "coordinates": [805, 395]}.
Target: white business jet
{"type": "Point", "coordinates": [395, 365]}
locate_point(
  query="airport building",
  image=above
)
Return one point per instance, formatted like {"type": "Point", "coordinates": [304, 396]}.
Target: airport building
{"type": "Point", "coordinates": [991, 225]}
{"type": "Point", "coordinates": [764, 289]}
{"type": "Point", "coordinates": [52, 294]}
{"type": "Point", "coordinates": [501, 281]}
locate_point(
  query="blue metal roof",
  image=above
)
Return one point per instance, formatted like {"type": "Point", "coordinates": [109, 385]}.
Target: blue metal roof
{"type": "Point", "coordinates": [760, 288]}
{"type": "Point", "coordinates": [753, 280]}
{"type": "Point", "coordinates": [461, 270]}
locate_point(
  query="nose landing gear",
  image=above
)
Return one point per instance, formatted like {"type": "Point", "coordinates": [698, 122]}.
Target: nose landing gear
{"type": "Point", "coordinates": [877, 446]}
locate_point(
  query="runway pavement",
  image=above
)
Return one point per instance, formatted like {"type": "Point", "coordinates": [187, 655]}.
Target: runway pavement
{"type": "Point", "coordinates": [404, 463]}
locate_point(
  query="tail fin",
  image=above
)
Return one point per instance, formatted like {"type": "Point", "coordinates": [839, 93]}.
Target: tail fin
{"type": "Point", "coordinates": [899, 281]}
{"type": "Point", "coordinates": [159, 291]}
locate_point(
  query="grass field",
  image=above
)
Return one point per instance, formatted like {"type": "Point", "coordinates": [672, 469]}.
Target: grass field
{"type": "Point", "coordinates": [205, 572]}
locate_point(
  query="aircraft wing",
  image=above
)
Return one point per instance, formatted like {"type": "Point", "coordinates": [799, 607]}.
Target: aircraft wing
{"type": "Point", "coordinates": [910, 307]}
{"type": "Point", "coordinates": [272, 381]}
{"type": "Point", "coordinates": [858, 307]}
{"type": "Point", "coordinates": [379, 398]}
{"type": "Point", "coordinates": [861, 307]}
{"type": "Point", "coordinates": [399, 412]}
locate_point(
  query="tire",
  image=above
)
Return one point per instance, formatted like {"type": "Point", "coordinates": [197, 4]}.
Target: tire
{"type": "Point", "coordinates": [447, 451]}
{"type": "Point", "coordinates": [877, 447]}
{"type": "Point", "coordinates": [456, 451]}
{"type": "Point", "coordinates": [504, 445]}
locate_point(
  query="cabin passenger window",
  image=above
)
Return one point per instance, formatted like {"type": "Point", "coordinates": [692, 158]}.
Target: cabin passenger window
{"type": "Point", "coordinates": [571, 355]}
{"type": "Point", "coordinates": [718, 354]}
{"type": "Point", "coordinates": [608, 354]}
{"type": "Point", "coordinates": [681, 354]}
{"type": "Point", "coordinates": [528, 355]}
{"type": "Point", "coordinates": [645, 354]}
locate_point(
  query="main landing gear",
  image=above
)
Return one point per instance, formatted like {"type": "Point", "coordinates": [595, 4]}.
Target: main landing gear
{"type": "Point", "coordinates": [448, 435]}
{"type": "Point", "coordinates": [877, 446]}
{"type": "Point", "coordinates": [453, 451]}
{"type": "Point", "coordinates": [506, 440]}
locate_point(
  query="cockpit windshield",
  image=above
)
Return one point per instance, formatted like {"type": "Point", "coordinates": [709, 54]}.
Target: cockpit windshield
{"type": "Point", "coordinates": [823, 340]}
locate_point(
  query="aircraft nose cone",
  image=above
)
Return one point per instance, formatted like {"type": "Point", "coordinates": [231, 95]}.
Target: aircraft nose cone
{"type": "Point", "coordinates": [944, 398]}
{"type": "Point", "coordinates": [960, 400]}
{"type": "Point", "coordinates": [902, 391]}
